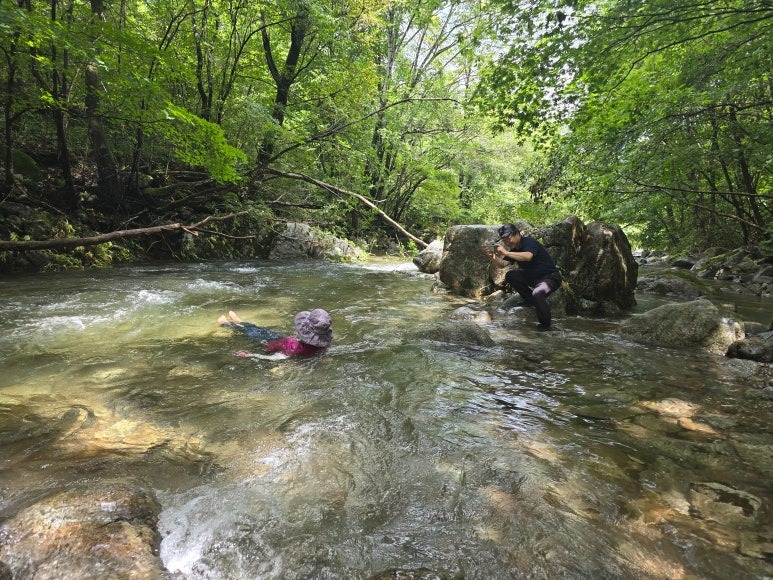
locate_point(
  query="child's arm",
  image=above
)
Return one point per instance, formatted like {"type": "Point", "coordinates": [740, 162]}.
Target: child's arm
{"type": "Point", "coordinates": [272, 356]}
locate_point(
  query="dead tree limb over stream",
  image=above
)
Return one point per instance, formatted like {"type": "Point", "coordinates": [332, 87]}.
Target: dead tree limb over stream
{"type": "Point", "coordinates": [64, 243]}
{"type": "Point", "coordinates": [340, 191]}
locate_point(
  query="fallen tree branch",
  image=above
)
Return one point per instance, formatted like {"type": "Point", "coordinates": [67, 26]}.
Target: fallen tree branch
{"type": "Point", "coordinates": [62, 243]}
{"type": "Point", "coordinates": [340, 191]}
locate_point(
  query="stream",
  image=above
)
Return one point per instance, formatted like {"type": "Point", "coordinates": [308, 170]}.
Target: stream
{"type": "Point", "coordinates": [563, 454]}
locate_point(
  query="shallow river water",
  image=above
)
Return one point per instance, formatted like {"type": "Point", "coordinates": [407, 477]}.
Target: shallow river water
{"type": "Point", "coordinates": [568, 454]}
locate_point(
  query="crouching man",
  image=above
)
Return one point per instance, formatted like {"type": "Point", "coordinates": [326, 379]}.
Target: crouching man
{"type": "Point", "coordinates": [536, 277]}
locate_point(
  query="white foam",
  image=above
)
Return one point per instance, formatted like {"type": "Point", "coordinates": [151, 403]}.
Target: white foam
{"type": "Point", "coordinates": [144, 297]}
{"type": "Point", "coordinates": [245, 270]}
{"type": "Point", "coordinates": [53, 324]}
{"type": "Point", "coordinates": [209, 285]}
{"type": "Point", "coordinates": [385, 266]}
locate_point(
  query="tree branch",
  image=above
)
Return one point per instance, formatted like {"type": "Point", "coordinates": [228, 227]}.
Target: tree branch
{"type": "Point", "coordinates": [336, 128]}
{"type": "Point", "coordinates": [679, 195]}
{"type": "Point", "coordinates": [62, 243]}
{"type": "Point", "coordinates": [340, 191]}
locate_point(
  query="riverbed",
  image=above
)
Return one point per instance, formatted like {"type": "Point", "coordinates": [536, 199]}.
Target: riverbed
{"type": "Point", "coordinates": [570, 454]}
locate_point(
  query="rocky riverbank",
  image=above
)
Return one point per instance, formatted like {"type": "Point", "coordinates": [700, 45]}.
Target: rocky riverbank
{"type": "Point", "coordinates": [749, 269]}
{"type": "Point", "coordinates": [601, 274]}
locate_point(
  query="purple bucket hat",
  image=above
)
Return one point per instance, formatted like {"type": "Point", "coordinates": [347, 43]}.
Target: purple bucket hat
{"type": "Point", "coordinates": [314, 327]}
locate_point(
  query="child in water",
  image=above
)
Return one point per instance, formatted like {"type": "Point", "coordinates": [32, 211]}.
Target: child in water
{"type": "Point", "coordinates": [313, 334]}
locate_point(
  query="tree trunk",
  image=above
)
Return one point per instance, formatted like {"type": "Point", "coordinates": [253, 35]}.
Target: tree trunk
{"type": "Point", "coordinates": [203, 63]}
{"type": "Point", "coordinates": [340, 191]}
{"type": "Point", "coordinates": [10, 84]}
{"type": "Point", "coordinates": [285, 78]}
{"type": "Point", "coordinates": [107, 172]}
{"type": "Point", "coordinates": [59, 92]}
{"type": "Point", "coordinates": [8, 117]}
{"type": "Point", "coordinates": [375, 170]}
{"type": "Point", "coordinates": [729, 181]}
{"type": "Point", "coordinates": [747, 180]}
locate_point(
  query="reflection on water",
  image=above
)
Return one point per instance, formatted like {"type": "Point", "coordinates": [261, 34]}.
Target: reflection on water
{"type": "Point", "coordinates": [563, 454]}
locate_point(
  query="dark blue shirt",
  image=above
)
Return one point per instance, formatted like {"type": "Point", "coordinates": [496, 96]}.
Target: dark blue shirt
{"type": "Point", "coordinates": [541, 264]}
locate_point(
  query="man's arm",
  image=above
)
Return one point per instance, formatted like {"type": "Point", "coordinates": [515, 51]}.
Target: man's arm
{"type": "Point", "coordinates": [498, 260]}
{"type": "Point", "coordinates": [517, 256]}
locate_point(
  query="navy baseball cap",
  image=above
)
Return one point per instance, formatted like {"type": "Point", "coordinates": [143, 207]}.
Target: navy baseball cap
{"type": "Point", "coordinates": [506, 231]}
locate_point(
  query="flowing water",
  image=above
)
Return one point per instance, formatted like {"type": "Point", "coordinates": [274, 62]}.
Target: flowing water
{"type": "Point", "coordinates": [568, 454]}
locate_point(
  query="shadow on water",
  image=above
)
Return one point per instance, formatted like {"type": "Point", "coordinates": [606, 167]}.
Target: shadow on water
{"type": "Point", "coordinates": [563, 454]}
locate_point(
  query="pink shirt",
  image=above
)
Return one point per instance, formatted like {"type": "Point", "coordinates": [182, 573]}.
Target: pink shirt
{"type": "Point", "coordinates": [291, 347]}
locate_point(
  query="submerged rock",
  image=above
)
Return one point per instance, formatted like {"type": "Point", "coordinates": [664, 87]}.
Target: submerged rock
{"type": "Point", "coordinates": [458, 332]}
{"type": "Point", "coordinates": [409, 574]}
{"type": "Point", "coordinates": [99, 530]}
{"type": "Point", "coordinates": [752, 348]}
{"type": "Point", "coordinates": [467, 313]}
{"type": "Point", "coordinates": [724, 505]}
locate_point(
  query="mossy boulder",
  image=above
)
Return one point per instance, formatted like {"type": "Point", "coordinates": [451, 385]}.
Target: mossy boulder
{"type": "Point", "coordinates": [697, 323]}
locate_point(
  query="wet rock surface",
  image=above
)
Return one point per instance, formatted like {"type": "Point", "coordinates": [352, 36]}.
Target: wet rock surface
{"type": "Point", "coordinates": [724, 504]}
{"type": "Point", "coordinates": [464, 268]}
{"type": "Point", "coordinates": [672, 285]}
{"type": "Point", "coordinates": [754, 348]}
{"type": "Point", "coordinates": [457, 332]}
{"type": "Point", "coordinates": [410, 574]}
{"type": "Point", "coordinates": [300, 241]}
{"type": "Point", "coordinates": [750, 267]}
{"type": "Point", "coordinates": [468, 313]}
{"type": "Point", "coordinates": [428, 260]}
{"type": "Point", "coordinates": [596, 261]}
{"type": "Point", "coordinates": [99, 530]}
{"type": "Point", "coordinates": [698, 323]}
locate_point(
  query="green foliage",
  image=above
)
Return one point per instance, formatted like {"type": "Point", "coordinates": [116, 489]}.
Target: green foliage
{"type": "Point", "coordinates": [653, 115]}
{"type": "Point", "coordinates": [504, 181]}
{"type": "Point", "coordinates": [662, 108]}
{"type": "Point", "coordinates": [200, 143]}
{"type": "Point", "coordinates": [435, 206]}
{"type": "Point", "coordinates": [80, 257]}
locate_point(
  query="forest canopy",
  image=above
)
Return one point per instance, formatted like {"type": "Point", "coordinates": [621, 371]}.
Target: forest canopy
{"type": "Point", "coordinates": [654, 115]}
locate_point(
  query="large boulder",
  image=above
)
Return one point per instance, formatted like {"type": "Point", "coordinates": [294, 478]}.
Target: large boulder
{"type": "Point", "coordinates": [101, 530]}
{"type": "Point", "coordinates": [608, 266]}
{"type": "Point", "coordinates": [688, 324]}
{"type": "Point", "coordinates": [464, 267]}
{"type": "Point", "coordinates": [428, 260]}
{"type": "Point", "coordinates": [301, 241]}
{"type": "Point", "coordinates": [664, 283]}
{"type": "Point", "coordinates": [596, 260]}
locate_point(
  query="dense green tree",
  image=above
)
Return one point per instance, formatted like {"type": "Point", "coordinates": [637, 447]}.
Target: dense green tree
{"type": "Point", "coordinates": [425, 56]}
{"type": "Point", "coordinates": [662, 110]}
{"type": "Point", "coordinates": [655, 115]}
